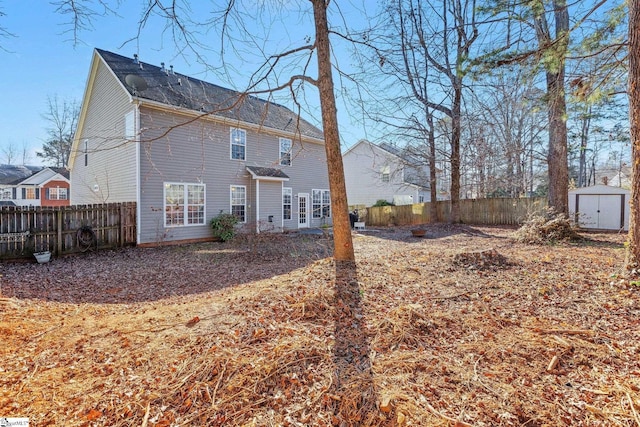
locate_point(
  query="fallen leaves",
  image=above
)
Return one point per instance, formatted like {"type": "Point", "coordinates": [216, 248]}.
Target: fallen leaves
{"type": "Point", "coordinates": [417, 339]}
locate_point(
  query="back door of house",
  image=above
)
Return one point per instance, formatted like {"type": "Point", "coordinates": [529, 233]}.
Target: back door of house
{"type": "Point", "coordinates": [303, 210]}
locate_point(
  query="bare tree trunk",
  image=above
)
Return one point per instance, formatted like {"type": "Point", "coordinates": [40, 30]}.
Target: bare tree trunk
{"type": "Point", "coordinates": [633, 248]}
{"type": "Point", "coordinates": [584, 139]}
{"type": "Point", "coordinates": [557, 107]}
{"type": "Point", "coordinates": [343, 245]}
{"type": "Point", "coordinates": [433, 170]}
{"type": "Point", "coordinates": [455, 152]}
{"type": "Point", "coordinates": [557, 157]}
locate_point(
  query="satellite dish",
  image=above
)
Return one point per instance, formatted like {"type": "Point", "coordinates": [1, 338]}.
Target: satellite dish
{"type": "Point", "coordinates": [135, 82]}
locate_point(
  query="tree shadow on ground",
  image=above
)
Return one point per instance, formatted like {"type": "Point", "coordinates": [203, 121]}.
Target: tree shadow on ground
{"type": "Point", "coordinates": [134, 275]}
{"type": "Point", "coordinates": [356, 402]}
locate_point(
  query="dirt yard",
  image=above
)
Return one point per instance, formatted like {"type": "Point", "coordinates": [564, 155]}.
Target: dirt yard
{"type": "Point", "coordinates": [462, 327]}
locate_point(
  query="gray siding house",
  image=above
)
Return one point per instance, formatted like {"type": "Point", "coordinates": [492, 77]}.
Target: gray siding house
{"type": "Point", "coordinates": [383, 172]}
{"type": "Point", "coordinates": [186, 150]}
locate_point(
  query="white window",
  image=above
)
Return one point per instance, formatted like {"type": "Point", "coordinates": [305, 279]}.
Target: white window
{"type": "Point", "coordinates": [57, 193]}
{"type": "Point", "coordinates": [421, 199]}
{"type": "Point", "coordinates": [6, 194]}
{"type": "Point", "coordinates": [385, 173]}
{"type": "Point", "coordinates": [239, 202]}
{"type": "Point", "coordinates": [285, 152]}
{"type": "Point", "coordinates": [184, 204]}
{"type": "Point", "coordinates": [238, 144]}
{"type": "Point", "coordinates": [287, 195]}
{"type": "Point", "coordinates": [321, 203]}
{"type": "Point", "coordinates": [30, 193]}
{"type": "Point", "coordinates": [86, 152]}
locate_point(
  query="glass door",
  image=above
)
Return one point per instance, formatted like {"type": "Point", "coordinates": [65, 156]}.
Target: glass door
{"type": "Point", "coordinates": [303, 209]}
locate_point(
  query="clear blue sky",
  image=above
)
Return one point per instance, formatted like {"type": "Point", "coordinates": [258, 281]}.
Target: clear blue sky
{"type": "Point", "coordinates": [40, 60]}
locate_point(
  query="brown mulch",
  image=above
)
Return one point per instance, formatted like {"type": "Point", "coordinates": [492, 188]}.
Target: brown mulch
{"type": "Point", "coordinates": [463, 327]}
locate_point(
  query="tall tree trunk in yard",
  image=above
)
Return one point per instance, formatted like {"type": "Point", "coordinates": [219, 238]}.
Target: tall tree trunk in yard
{"type": "Point", "coordinates": [555, 53]}
{"type": "Point", "coordinates": [557, 157]}
{"type": "Point", "coordinates": [433, 170]}
{"type": "Point", "coordinates": [633, 250]}
{"type": "Point", "coordinates": [455, 151]}
{"type": "Point", "coordinates": [343, 245]}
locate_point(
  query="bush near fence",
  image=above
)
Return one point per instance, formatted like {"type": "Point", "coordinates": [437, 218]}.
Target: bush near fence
{"type": "Point", "coordinates": [472, 211]}
{"type": "Point", "coordinates": [25, 230]}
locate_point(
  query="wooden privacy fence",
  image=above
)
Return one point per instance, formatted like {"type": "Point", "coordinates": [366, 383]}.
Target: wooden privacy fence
{"type": "Point", "coordinates": [472, 211]}
{"type": "Point", "coordinates": [65, 229]}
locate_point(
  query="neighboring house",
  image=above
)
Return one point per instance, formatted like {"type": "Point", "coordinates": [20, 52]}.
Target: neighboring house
{"type": "Point", "coordinates": [384, 172]}
{"type": "Point", "coordinates": [35, 186]}
{"type": "Point", "coordinates": [186, 150]}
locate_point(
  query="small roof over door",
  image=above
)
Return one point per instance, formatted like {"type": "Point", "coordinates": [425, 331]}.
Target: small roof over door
{"type": "Point", "coordinates": [267, 174]}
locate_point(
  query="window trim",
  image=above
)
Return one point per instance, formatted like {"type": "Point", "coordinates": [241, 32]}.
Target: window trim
{"type": "Point", "coordinates": [57, 191]}
{"type": "Point", "coordinates": [185, 204]}
{"type": "Point", "coordinates": [385, 174]}
{"type": "Point", "coordinates": [287, 191]}
{"type": "Point", "coordinates": [244, 204]}
{"type": "Point", "coordinates": [28, 190]}
{"type": "Point", "coordinates": [317, 213]}
{"type": "Point", "coordinates": [6, 191]}
{"type": "Point", "coordinates": [233, 143]}
{"type": "Point", "coordinates": [284, 157]}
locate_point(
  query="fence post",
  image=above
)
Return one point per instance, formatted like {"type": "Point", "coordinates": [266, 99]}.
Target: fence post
{"type": "Point", "coordinates": [122, 212]}
{"type": "Point", "coordinates": [58, 214]}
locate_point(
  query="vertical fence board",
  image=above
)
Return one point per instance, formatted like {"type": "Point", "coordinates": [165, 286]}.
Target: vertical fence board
{"type": "Point", "coordinates": [472, 211]}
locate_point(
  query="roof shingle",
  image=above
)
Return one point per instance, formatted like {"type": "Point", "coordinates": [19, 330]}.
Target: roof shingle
{"type": "Point", "coordinates": [171, 88]}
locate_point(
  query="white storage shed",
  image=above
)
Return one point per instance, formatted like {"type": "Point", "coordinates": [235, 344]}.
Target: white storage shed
{"type": "Point", "coordinates": [600, 207]}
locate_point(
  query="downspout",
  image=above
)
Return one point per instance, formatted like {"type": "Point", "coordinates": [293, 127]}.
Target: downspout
{"type": "Point", "coordinates": [257, 206]}
{"type": "Point", "coordinates": [136, 128]}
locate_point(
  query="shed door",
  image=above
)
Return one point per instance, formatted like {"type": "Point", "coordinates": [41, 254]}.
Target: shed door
{"type": "Point", "coordinates": [602, 211]}
{"type": "Point", "coordinates": [609, 212]}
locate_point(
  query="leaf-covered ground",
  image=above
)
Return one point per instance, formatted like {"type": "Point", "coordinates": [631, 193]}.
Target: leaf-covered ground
{"type": "Point", "coordinates": [463, 327]}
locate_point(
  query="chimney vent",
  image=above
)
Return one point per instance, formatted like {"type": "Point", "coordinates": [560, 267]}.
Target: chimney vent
{"type": "Point", "coordinates": [171, 70]}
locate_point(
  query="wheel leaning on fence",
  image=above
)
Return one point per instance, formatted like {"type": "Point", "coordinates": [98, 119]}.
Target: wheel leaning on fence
{"type": "Point", "coordinates": [86, 238]}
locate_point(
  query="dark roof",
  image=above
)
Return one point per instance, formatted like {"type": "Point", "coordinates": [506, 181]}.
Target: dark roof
{"type": "Point", "coordinates": [62, 171]}
{"type": "Point", "coordinates": [261, 172]}
{"type": "Point", "coordinates": [13, 174]}
{"type": "Point", "coordinates": [402, 153]}
{"type": "Point", "coordinates": [6, 203]}
{"type": "Point", "coordinates": [171, 88]}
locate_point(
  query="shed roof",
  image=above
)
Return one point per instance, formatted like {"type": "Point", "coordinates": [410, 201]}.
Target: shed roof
{"type": "Point", "coordinates": [599, 189]}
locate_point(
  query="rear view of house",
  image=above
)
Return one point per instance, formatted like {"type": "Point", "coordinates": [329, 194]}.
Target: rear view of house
{"type": "Point", "coordinates": [186, 150]}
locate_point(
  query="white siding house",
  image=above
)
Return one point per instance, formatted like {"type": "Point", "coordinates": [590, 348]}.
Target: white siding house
{"type": "Point", "coordinates": [382, 172]}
